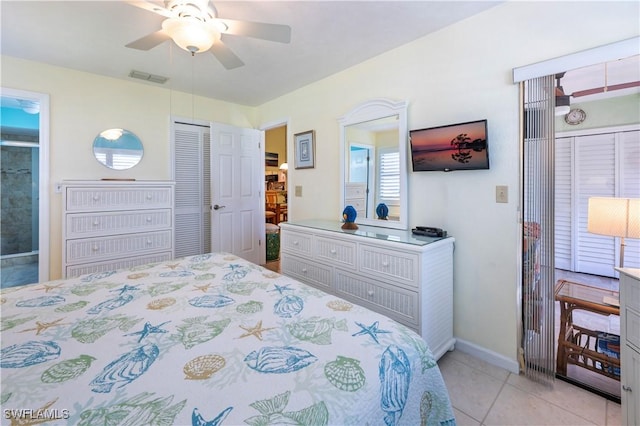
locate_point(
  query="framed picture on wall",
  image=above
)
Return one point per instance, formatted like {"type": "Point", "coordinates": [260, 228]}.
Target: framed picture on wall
{"type": "Point", "coordinates": [304, 149]}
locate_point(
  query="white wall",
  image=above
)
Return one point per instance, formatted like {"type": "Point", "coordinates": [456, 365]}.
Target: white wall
{"type": "Point", "coordinates": [460, 73]}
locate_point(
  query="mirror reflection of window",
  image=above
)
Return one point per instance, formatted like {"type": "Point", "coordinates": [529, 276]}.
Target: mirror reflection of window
{"type": "Point", "coordinates": [117, 149]}
{"type": "Point", "coordinates": [389, 177]}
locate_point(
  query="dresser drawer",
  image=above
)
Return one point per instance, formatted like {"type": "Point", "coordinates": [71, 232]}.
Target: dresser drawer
{"type": "Point", "coordinates": [82, 225]}
{"type": "Point", "coordinates": [337, 252]}
{"type": "Point", "coordinates": [95, 249]}
{"type": "Point", "coordinates": [306, 271]}
{"type": "Point", "coordinates": [355, 190]}
{"type": "Point", "coordinates": [395, 265]}
{"type": "Point", "coordinates": [118, 198]}
{"type": "Point", "coordinates": [130, 262]}
{"type": "Point", "coordinates": [397, 303]}
{"type": "Point", "coordinates": [298, 243]}
{"type": "Point", "coordinates": [632, 294]}
{"type": "Point", "coordinates": [357, 203]}
{"type": "Point", "coordinates": [632, 328]}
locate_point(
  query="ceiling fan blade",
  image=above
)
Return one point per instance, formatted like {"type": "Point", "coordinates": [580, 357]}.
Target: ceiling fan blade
{"type": "Point", "coordinates": [152, 7]}
{"type": "Point", "coordinates": [149, 41]}
{"type": "Point", "coordinates": [606, 89]}
{"type": "Point", "coordinates": [271, 32]}
{"type": "Point", "coordinates": [227, 58]}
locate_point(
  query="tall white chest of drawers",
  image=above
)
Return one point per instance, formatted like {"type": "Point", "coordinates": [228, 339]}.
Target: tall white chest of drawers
{"type": "Point", "coordinates": [388, 271]}
{"type": "Point", "coordinates": [109, 225]}
{"type": "Point", "coordinates": [630, 345]}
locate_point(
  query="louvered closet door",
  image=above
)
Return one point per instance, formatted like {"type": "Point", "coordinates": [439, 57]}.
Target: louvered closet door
{"type": "Point", "coordinates": [630, 187]}
{"type": "Point", "coordinates": [595, 170]}
{"type": "Point", "coordinates": [563, 204]}
{"type": "Point", "coordinates": [597, 165]}
{"type": "Point", "coordinates": [192, 174]}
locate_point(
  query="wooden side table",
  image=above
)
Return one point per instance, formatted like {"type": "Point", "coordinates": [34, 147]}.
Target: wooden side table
{"type": "Point", "coordinates": [576, 344]}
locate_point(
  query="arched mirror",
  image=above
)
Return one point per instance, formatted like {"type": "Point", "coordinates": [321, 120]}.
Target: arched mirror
{"type": "Point", "coordinates": [373, 139]}
{"type": "Point", "coordinates": [117, 149]}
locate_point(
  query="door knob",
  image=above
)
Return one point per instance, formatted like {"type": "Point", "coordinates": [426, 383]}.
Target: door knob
{"type": "Point", "coordinates": [217, 207]}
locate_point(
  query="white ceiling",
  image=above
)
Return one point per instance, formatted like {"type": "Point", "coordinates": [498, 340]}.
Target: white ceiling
{"type": "Point", "coordinates": [326, 37]}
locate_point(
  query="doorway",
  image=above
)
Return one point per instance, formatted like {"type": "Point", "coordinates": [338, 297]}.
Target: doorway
{"type": "Point", "coordinates": [276, 171]}
{"type": "Point", "coordinates": [567, 189]}
{"type": "Point", "coordinates": [24, 255]}
{"type": "Point", "coordinates": [218, 189]}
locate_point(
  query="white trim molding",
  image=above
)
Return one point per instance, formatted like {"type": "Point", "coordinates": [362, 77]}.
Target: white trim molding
{"type": "Point", "coordinates": [606, 53]}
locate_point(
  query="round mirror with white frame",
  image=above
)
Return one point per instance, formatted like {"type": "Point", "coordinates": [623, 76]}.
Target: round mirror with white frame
{"type": "Point", "coordinates": [373, 147]}
{"type": "Point", "coordinates": [117, 149]}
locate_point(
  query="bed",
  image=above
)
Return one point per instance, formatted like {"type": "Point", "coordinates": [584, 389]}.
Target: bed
{"type": "Point", "coordinates": [208, 340]}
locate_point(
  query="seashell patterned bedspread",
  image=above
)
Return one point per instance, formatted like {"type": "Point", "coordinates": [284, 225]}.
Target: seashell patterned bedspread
{"type": "Point", "coordinates": [208, 340]}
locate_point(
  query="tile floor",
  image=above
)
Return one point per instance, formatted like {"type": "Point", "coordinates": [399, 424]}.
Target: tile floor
{"type": "Point", "coordinates": [483, 394]}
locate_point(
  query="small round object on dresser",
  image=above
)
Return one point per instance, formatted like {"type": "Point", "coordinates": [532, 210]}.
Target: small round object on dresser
{"type": "Point", "coordinates": [575, 116]}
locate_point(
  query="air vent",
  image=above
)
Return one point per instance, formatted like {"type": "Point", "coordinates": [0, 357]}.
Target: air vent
{"type": "Point", "coordinates": [148, 77]}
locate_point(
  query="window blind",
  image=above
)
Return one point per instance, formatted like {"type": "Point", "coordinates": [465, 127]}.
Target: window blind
{"type": "Point", "coordinates": [389, 176]}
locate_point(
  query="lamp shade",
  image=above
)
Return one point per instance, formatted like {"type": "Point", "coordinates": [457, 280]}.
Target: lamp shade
{"type": "Point", "coordinates": [617, 217]}
{"type": "Point", "coordinates": [284, 166]}
{"type": "Point", "coordinates": [191, 35]}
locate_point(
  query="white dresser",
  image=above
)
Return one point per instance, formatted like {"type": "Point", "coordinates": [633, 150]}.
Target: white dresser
{"type": "Point", "coordinates": [388, 271]}
{"type": "Point", "coordinates": [108, 225]}
{"type": "Point", "coordinates": [355, 195]}
{"type": "Point", "coordinates": [630, 345]}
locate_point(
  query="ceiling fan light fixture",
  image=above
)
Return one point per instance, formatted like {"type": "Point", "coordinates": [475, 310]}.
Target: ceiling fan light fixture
{"type": "Point", "coordinates": [30, 107]}
{"type": "Point", "coordinates": [563, 102]}
{"type": "Point", "coordinates": [191, 35]}
{"type": "Point", "coordinates": [563, 105]}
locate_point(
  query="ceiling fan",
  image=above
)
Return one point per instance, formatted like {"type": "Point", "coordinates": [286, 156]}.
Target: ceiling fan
{"type": "Point", "coordinates": [195, 27]}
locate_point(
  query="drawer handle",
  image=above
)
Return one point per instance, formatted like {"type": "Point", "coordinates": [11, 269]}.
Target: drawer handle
{"type": "Point", "coordinates": [149, 197]}
{"type": "Point", "coordinates": [149, 242]}
{"type": "Point", "coordinates": [304, 270]}
{"type": "Point", "coordinates": [95, 248]}
{"type": "Point", "coordinates": [295, 243]}
{"type": "Point", "coordinates": [626, 388]}
{"type": "Point", "coordinates": [332, 251]}
{"type": "Point", "coordinates": [385, 264]}
{"type": "Point", "coordinates": [96, 197]}
{"type": "Point", "coordinates": [370, 293]}
{"type": "Point", "coordinates": [149, 219]}
{"type": "Point", "coordinates": [96, 222]}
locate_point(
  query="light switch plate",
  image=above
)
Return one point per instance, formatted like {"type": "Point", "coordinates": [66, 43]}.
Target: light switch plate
{"type": "Point", "coordinates": [502, 194]}
{"type": "Point", "coordinates": [298, 190]}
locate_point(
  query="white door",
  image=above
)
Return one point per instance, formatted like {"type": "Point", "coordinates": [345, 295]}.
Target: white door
{"type": "Point", "coordinates": [237, 214]}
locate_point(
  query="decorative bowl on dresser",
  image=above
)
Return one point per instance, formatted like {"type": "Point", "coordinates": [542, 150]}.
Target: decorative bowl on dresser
{"type": "Point", "coordinates": [407, 278]}
{"type": "Point", "coordinates": [108, 225]}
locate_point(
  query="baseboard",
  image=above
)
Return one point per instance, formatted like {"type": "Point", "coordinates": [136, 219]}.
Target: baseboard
{"type": "Point", "coordinates": [486, 355]}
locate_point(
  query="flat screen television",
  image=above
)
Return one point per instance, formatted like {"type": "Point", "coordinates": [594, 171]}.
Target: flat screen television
{"type": "Point", "coordinates": [461, 146]}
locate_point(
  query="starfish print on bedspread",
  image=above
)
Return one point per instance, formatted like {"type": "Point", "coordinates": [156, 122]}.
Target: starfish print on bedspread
{"type": "Point", "coordinates": [257, 330]}
{"type": "Point", "coordinates": [371, 330]}
{"type": "Point", "coordinates": [42, 326]}
{"type": "Point", "coordinates": [48, 287]}
{"type": "Point", "coordinates": [126, 288]}
{"type": "Point", "coordinates": [149, 329]}
{"type": "Point", "coordinates": [281, 288]}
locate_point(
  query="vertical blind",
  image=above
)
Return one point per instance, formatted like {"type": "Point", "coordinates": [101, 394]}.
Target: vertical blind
{"type": "Point", "coordinates": [538, 228]}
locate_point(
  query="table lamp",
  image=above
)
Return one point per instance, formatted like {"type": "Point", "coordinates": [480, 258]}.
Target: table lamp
{"type": "Point", "coordinates": [616, 217]}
